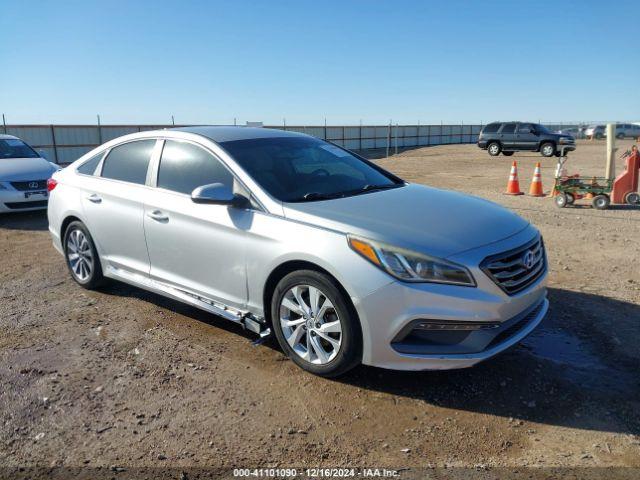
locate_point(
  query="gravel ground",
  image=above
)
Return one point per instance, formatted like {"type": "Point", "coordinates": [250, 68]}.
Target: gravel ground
{"type": "Point", "coordinates": [125, 378]}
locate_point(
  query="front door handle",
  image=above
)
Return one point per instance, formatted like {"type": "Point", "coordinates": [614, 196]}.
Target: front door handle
{"type": "Point", "coordinates": [158, 216]}
{"type": "Point", "coordinates": [94, 198]}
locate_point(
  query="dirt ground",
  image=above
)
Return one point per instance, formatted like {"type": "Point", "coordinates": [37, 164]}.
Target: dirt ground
{"type": "Point", "coordinates": [125, 378]}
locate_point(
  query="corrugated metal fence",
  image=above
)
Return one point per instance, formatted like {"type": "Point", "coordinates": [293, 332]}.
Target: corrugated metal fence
{"type": "Point", "coordinates": [66, 143]}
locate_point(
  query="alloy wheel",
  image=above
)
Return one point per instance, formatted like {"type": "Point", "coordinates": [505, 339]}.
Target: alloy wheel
{"type": "Point", "coordinates": [79, 255]}
{"type": "Point", "coordinates": [310, 324]}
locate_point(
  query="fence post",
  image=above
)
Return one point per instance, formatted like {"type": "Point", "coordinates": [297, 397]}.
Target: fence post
{"type": "Point", "coordinates": [360, 136]}
{"type": "Point", "coordinates": [99, 131]}
{"type": "Point", "coordinates": [388, 137]}
{"type": "Point", "coordinates": [4, 123]}
{"type": "Point", "coordinates": [396, 140]}
{"type": "Point", "coordinates": [55, 148]}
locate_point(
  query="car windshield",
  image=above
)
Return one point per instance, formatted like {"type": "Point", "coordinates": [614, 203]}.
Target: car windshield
{"type": "Point", "coordinates": [541, 128]}
{"type": "Point", "coordinates": [14, 148]}
{"type": "Point", "coordinates": [299, 169]}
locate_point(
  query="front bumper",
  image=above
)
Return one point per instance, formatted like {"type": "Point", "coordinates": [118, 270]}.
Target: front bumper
{"type": "Point", "coordinates": [389, 313]}
{"type": "Point", "coordinates": [19, 201]}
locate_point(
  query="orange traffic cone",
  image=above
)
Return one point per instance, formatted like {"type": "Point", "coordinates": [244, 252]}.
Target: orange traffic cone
{"type": "Point", "coordinates": [535, 190]}
{"type": "Point", "coordinates": [513, 187]}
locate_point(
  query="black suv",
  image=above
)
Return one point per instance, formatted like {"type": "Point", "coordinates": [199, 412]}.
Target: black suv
{"type": "Point", "coordinates": [509, 137]}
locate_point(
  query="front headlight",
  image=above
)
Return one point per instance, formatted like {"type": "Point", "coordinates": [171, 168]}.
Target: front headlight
{"type": "Point", "coordinates": [411, 266]}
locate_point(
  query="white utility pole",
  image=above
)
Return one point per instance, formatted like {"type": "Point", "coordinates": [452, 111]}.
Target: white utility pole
{"type": "Point", "coordinates": [610, 171]}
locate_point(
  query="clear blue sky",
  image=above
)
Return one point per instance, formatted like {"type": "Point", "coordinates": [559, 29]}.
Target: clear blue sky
{"type": "Point", "coordinates": [370, 60]}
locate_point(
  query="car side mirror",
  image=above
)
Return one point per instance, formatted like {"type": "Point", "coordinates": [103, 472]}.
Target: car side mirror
{"type": "Point", "coordinates": [219, 194]}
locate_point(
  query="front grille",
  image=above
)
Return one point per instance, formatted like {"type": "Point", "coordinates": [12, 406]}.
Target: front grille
{"type": "Point", "coordinates": [30, 185]}
{"type": "Point", "coordinates": [510, 271]}
{"type": "Point", "coordinates": [21, 205]}
{"type": "Point", "coordinates": [517, 327]}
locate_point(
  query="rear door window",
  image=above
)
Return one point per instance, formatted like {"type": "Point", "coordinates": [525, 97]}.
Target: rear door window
{"type": "Point", "coordinates": [129, 162]}
{"type": "Point", "coordinates": [508, 128]}
{"type": "Point", "coordinates": [525, 128]}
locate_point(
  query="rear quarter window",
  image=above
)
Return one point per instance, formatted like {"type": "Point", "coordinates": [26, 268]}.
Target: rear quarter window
{"type": "Point", "coordinates": [491, 128]}
{"type": "Point", "coordinates": [89, 167]}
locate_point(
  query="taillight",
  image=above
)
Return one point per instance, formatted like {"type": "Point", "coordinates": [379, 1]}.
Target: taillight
{"type": "Point", "coordinates": [51, 184]}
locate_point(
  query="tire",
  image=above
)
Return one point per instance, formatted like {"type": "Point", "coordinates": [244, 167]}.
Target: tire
{"type": "Point", "coordinates": [82, 257]}
{"type": "Point", "coordinates": [548, 149]}
{"type": "Point", "coordinates": [620, 136]}
{"type": "Point", "coordinates": [599, 136]}
{"type": "Point", "coordinates": [632, 198]}
{"type": "Point", "coordinates": [494, 149]}
{"type": "Point", "coordinates": [305, 341]}
{"type": "Point", "coordinates": [507, 154]}
{"type": "Point", "coordinates": [561, 200]}
{"type": "Point", "coordinates": [600, 202]}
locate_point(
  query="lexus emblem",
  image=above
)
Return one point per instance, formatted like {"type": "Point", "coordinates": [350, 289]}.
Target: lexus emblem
{"type": "Point", "coordinates": [33, 185]}
{"type": "Point", "coordinates": [528, 260]}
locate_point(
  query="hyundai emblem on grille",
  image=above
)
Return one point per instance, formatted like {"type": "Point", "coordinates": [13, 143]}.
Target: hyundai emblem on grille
{"type": "Point", "coordinates": [528, 260]}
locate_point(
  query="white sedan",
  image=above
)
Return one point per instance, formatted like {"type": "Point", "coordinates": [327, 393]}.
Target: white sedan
{"type": "Point", "coordinates": [23, 176]}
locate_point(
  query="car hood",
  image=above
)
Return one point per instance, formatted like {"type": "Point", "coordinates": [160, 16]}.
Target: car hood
{"type": "Point", "coordinates": [22, 169]}
{"type": "Point", "coordinates": [424, 219]}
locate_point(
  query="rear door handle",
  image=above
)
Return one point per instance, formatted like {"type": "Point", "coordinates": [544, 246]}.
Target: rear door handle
{"type": "Point", "coordinates": [94, 198]}
{"type": "Point", "coordinates": [158, 216]}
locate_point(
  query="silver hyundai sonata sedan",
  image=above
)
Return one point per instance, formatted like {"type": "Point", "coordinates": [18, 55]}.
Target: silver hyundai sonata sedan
{"type": "Point", "coordinates": [287, 234]}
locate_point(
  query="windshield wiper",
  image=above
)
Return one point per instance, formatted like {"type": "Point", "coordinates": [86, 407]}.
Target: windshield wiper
{"type": "Point", "coordinates": [320, 196]}
{"type": "Point", "coordinates": [370, 188]}
{"type": "Point", "coordinates": [327, 196]}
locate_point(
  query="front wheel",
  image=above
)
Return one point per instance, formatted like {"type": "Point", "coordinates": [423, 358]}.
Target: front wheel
{"type": "Point", "coordinates": [315, 325]}
{"type": "Point", "coordinates": [548, 149]}
{"type": "Point", "coordinates": [81, 256]}
{"type": "Point", "coordinates": [632, 198]}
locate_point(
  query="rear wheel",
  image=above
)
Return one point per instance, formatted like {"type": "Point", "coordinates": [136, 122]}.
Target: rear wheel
{"type": "Point", "coordinates": [315, 325]}
{"type": "Point", "coordinates": [81, 256]}
{"type": "Point", "coordinates": [494, 149]}
{"type": "Point", "coordinates": [561, 200]}
{"type": "Point", "coordinates": [507, 154]}
{"type": "Point", "coordinates": [548, 149]}
{"type": "Point", "coordinates": [570, 198]}
{"type": "Point", "coordinates": [600, 202]}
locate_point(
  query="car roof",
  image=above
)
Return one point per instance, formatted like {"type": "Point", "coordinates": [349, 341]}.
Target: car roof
{"type": "Point", "coordinates": [231, 133]}
{"type": "Point", "coordinates": [6, 137]}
